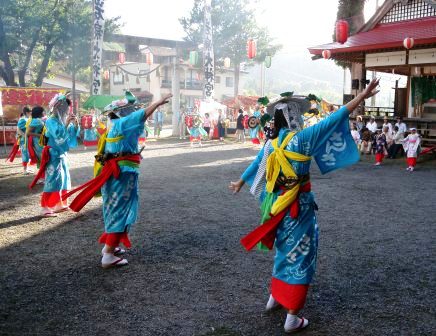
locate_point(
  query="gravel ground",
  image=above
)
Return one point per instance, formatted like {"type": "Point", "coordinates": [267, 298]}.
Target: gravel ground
{"type": "Point", "coordinates": [188, 274]}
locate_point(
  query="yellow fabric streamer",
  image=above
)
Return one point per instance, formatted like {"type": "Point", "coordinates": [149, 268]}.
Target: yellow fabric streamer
{"type": "Point", "coordinates": [100, 149]}
{"type": "Point", "coordinates": [278, 162]}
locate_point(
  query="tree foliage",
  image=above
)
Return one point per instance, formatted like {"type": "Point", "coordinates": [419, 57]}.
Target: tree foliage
{"type": "Point", "coordinates": [38, 37]}
{"type": "Point", "coordinates": [233, 23]}
{"type": "Point", "coordinates": [353, 12]}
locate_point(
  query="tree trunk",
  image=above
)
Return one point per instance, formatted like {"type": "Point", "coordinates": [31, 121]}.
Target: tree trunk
{"type": "Point", "coordinates": [236, 81]}
{"type": "Point", "coordinates": [6, 71]}
{"type": "Point", "coordinates": [25, 65]}
{"type": "Point", "coordinates": [43, 68]}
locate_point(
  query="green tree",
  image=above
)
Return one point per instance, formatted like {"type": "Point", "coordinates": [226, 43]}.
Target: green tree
{"type": "Point", "coordinates": [37, 37]}
{"type": "Point", "coordinates": [233, 23]}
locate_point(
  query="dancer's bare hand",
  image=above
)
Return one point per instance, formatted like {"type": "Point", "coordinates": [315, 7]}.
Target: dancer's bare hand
{"type": "Point", "coordinates": [235, 187]}
{"type": "Point", "coordinates": [371, 89]}
{"type": "Point", "coordinates": [165, 99]}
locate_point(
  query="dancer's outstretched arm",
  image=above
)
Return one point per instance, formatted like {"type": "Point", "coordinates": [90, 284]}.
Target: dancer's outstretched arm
{"type": "Point", "coordinates": [164, 100]}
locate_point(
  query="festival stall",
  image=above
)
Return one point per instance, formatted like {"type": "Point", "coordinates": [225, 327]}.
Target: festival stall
{"type": "Point", "coordinates": [13, 101]}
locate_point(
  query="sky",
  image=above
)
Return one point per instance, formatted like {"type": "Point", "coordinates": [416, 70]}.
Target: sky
{"type": "Point", "coordinates": [294, 24]}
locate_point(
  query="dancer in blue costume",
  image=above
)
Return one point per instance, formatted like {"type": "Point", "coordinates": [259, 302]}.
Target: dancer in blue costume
{"type": "Point", "coordinates": [254, 132]}
{"type": "Point", "coordinates": [60, 133]}
{"type": "Point", "coordinates": [22, 139]}
{"type": "Point", "coordinates": [116, 171]}
{"type": "Point", "coordinates": [34, 130]}
{"type": "Point", "coordinates": [279, 178]}
{"type": "Point", "coordinates": [120, 195]}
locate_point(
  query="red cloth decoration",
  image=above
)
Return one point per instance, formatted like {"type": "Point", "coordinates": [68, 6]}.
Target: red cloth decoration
{"type": "Point", "coordinates": [32, 154]}
{"type": "Point", "coordinates": [255, 141]}
{"type": "Point", "coordinates": [411, 161]}
{"type": "Point", "coordinates": [51, 199]}
{"type": "Point", "coordinates": [379, 157]}
{"type": "Point", "coordinates": [89, 143]}
{"type": "Point", "coordinates": [290, 296]}
{"type": "Point", "coordinates": [93, 186]}
{"type": "Point", "coordinates": [266, 233]}
{"type": "Point", "coordinates": [114, 239]}
{"type": "Point", "coordinates": [45, 158]}
{"type": "Point", "coordinates": [13, 152]}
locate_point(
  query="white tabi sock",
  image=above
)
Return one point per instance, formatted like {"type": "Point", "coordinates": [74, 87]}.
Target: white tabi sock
{"type": "Point", "coordinates": [294, 322]}
{"type": "Point", "coordinates": [108, 258]}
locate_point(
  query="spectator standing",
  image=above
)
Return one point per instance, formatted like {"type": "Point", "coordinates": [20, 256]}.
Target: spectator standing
{"type": "Point", "coordinates": [386, 123]}
{"type": "Point", "coordinates": [240, 127]}
{"type": "Point", "coordinates": [397, 145]}
{"type": "Point", "coordinates": [158, 121]}
{"type": "Point", "coordinates": [206, 124]}
{"type": "Point", "coordinates": [221, 125]}
{"type": "Point", "coordinates": [182, 124]}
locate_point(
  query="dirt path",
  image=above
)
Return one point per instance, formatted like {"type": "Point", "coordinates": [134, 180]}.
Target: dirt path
{"type": "Point", "coordinates": [188, 274]}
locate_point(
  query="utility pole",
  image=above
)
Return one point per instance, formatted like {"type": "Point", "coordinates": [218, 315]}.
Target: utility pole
{"type": "Point", "coordinates": [175, 88]}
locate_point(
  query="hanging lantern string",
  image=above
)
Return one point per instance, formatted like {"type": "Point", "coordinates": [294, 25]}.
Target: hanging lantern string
{"type": "Point", "coordinates": [137, 75]}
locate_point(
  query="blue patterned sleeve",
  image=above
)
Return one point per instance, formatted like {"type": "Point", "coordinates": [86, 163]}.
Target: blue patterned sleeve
{"type": "Point", "coordinates": [134, 122]}
{"type": "Point", "coordinates": [250, 173]}
{"type": "Point", "coordinates": [314, 137]}
{"type": "Point", "coordinates": [73, 133]}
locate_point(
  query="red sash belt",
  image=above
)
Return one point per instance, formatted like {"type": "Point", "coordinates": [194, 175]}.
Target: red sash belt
{"type": "Point", "coordinates": [266, 233]}
{"type": "Point", "coordinates": [45, 158]}
{"type": "Point", "coordinates": [93, 186]}
{"type": "Point", "coordinates": [13, 152]}
{"type": "Point", "coordinates": [32, 154]}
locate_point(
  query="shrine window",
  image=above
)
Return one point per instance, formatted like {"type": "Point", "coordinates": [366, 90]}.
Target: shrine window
{"type": "Point", "coordinates": [414, 9]}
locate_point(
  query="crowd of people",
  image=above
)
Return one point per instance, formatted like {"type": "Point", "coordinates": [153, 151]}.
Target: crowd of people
{"type": "Point", "coordinates": [387, 141]}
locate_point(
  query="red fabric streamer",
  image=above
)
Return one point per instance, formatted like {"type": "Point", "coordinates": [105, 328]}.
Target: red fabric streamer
{"type": "Point", "coordinates": [13, 152]}
{"type": "Point", "coordinates": [266, 233]}
{"type": "Point", "coordinates": [32, 154]}
{"type": "Point", "coordinates": [290, 296]}
{"type": "Point", "coordinates": [93, 186]}
{"type": "Point", "coordinates": [255, 141]}
{"type": "Point", "coordinates": [45, 158]}
{"type": "Point", "coordinates": [114, 239]}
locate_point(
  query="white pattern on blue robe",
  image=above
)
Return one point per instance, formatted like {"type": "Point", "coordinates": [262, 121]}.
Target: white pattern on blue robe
{"type": "Point", "coordinates": [332, 146]}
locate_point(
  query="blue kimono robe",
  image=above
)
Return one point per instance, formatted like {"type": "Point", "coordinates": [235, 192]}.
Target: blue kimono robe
{"type": "Point", "coordinates": [37, 124]}
{"type": "Point", "coordinates": [21, 125]}
{"type": "Point", "coordinates": [331, 144]}
{"type": "Point", "coordinates": [120, 196]}
{"type": "Point", "coordinates": [90, 137]}
{"type": "Point", "coordinates": [254, 132]}
{"type": "Point", "coordinates": [57, 174]}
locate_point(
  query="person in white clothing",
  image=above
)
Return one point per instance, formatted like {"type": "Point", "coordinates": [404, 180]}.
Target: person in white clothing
{"type": "Point", "coordinates": [402, 128]}
{"type": "Point", "coordinates": [372, 125]}
{"type": "Point", "coordinates": [411, 144]}
{"type": "Point", "coordinates": [355, 134]}
{"type": "Point", "coordinates": [397, 145]}
{"type": "Point", "coordinates": [386, 123]}
{"type": "Point", "coordinates": [388, 136]}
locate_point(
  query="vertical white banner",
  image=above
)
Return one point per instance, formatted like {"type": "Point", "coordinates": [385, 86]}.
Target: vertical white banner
{"type": "Point", "coordinates": [208, 56]}
{"type": "Point", "coordinates": [97, 48]}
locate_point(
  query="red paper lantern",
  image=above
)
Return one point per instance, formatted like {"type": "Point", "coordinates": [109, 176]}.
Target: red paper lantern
{"type": "Point", "coordinates": [149, 58]}
{"type": "Point", "coordinates": [106, 74]}
{"type": "Point", "coordinates": [326, 54]}
{"type": "Point", "coordinates": [121, 57]}
{"type": "Point", "coordinates": [408, 42]}
{"type": "Point", "coordinates": [251, 49]}
{"type": "Point", "coordinates": [342, 29]}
